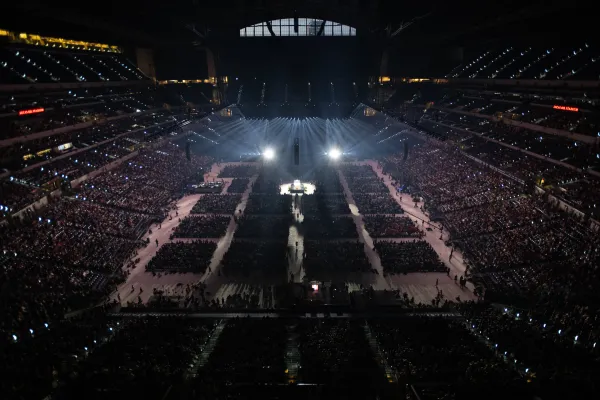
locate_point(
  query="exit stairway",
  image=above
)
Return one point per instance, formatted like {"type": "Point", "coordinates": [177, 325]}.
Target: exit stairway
{"type": "Point", "coordinates": [390, 373]}
{"type": "Point", "coordinates": [201, 359]}
{"type": "Point", "coordinates": [292, 354]}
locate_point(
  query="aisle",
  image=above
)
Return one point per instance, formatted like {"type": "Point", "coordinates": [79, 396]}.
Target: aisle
{"type": "Point", "coordinates": [176, 282]}
{"type": "Point", "coordinates": [138, 277]}
{"type": "Point", "coordinates": [422, 286]}
{"type": "Point", "coordinates": [377, 282]}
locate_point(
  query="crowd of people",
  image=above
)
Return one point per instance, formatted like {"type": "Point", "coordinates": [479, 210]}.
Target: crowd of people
{"type": "Point", "coordinates": [202, 226]}
{"type": "Point", "coordinates": [555, 355]}
{"type": "Point", "coordinates": [376, 203]}
{"type": "Point", "coordinates": [522, 248]}
{"type": "Point", "coordinates": [324, 204]}
{"type": "Point", "coordinates": [387, 226]}
{"type": "Point", "coordinates": [123, 131]}
{"type": "Point", "coordinates": [249, 351]}
{"type": "Point", "coordinates": [99, 107]}
{"type": "Point", "coordinates": [324, 259]}
{"type": "Point", "coordinates": [144, 183]}
{"type": "Point", "coordinates": [329, 227]}
{"type": "Point", "coordinates": [192, 256]}
{"type": "Point", "coordinates": [238, 171]}
{"type": "Point", "coordinates": [327, 180]}
{"type": "Point", "coordinates": [441, 358]}
{"type": "Point", "coordinates": [550, 168]}
{"type": "Point", "coordinates": [263, 226]}
{"type": "Point", "coordinates": [409, 256]}
{"type": "Point", "coordinates": [143, 358]}
{"type": "Point", "coordinates": [268, 204]}
{"type": "Point", "coordinates": [245, 296]}
{"type": "Point", "coordinates": [336, 352]}
{"type": "Point", "coordinates": [257, 259]}
{"type": "Point", "coordinates": [34, 363]}
{"type": "Point", "coordinates": [64, 257]}
{"type": "Point", "coordinates": [68, 255]}
{"type": "Point", "coordinates": [238, 185]}
{"type": "Point", "coordinates": [266, 184]}
{"type": "Point", "coordinates": [217, 204]}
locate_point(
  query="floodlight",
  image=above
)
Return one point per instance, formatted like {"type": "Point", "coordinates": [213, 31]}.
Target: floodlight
{"type": "Point", "coordinates": [269, 154]}
{"type": "Point", "coordinates": [335, 153]}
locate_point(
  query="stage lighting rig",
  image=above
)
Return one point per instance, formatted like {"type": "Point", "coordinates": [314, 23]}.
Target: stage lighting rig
{"type": "Point", "coordinates": [269, 154]}
{"type": "Point", "coordinates": [334, 153]}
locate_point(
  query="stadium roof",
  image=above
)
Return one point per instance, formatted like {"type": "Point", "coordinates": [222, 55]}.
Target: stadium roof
{"type": "Point", "coordinates": [435, 21]}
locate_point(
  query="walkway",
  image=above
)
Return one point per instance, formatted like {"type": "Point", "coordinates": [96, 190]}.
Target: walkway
{"type": "Point", "coordinates": [175, 284]}
{"type": "Point", "coordinates": [422, 285]}
{"type": "Point", "coordinates": [376, 281]}
{"type": "Point", "coordinates": [211, 279]}
{"type": "Point", "coordinates": [295, 257]}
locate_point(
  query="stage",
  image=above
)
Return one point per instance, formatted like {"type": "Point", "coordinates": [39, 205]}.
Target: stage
{"type": "Point", "coordinates": [297, 187]}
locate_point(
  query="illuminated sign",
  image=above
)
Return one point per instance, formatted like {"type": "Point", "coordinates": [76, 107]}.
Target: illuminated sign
{"type": "Point", "coordinates": [32, 111]}
{"type": "Point", "coordinates": [565, 108]}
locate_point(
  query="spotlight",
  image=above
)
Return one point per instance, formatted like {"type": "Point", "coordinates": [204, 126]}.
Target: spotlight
{"type": "Point", "coordinates": [335, 153]}
{"type": "Point", "coordinates": [269, 154]}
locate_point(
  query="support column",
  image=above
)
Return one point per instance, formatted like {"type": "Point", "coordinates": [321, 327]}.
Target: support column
{"type": "Point", "coordinates": [145, 62]}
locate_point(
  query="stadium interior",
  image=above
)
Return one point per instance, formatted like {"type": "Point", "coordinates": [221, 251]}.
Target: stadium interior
{"type": "Point", "coordinates": [362, 199]}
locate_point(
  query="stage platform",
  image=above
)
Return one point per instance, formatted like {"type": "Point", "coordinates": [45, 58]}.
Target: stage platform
{"type": "Point", "coordinates": [297, 187]}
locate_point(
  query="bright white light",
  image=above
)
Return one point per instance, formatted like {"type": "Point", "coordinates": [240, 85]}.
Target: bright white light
{"type": "Point", "coordinates": [269, 154]}
{"type": "Point", "coordinates": [335, 153]}
{"type": "Point", "coordinates": [315, 287]}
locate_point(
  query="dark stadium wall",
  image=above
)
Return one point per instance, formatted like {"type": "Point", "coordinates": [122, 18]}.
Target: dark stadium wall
{"type": "Point", "coordinates": [180, 62]}
{"type": "Point", "coordinates": [423, 61]}
{"type": "Point", "coordinates": [295, 59]}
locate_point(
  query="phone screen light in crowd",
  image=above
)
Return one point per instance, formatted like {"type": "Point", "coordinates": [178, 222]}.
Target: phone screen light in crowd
{"type": "Point", "coordinates": [565, 108]}
{"type": "Point", "coordinates": [31, 111]}
{"type": "Point", "coordinates": [315, 287]}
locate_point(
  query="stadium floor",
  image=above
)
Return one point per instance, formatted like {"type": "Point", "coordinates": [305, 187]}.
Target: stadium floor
{"type": "Point", "coordinates": [421, 286]}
